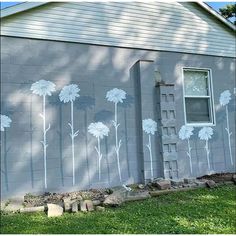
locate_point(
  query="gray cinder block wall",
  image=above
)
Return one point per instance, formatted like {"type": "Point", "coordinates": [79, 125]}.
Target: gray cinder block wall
{"type": "Point", "coordinates": [97, 69]}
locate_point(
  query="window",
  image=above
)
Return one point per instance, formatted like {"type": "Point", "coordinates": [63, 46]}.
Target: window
{"type": "Point", "coordinates": [198, 97]}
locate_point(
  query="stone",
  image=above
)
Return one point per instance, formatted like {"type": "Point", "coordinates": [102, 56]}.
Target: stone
{"type": "Point", "coordinates": [234, 178]}
{"type": "Point", "coordinates": [200, 184]}
{"type": "Point", "coordinates": [210, 183]}
{"type": "Point", "coordinates": [14, 204]}
{"type": "Point", "coordinates": [162, 184]}
{"type": "Point", "coordinates": [32, 209]}
{"type": "Point", "coordinates": [100, 208]}
{"type": "Point", "coordinates": [96, 202]}
{"type": "Point", "coordinates": [177, 182]}
{"type": "Point", "coordinates": [75, 196]}
{"type": "Point", "coordinates": [67, 203]}
{"type": "Point", "coordinates": [141, 186]}
{"type": "Point", "coordinates": [74, 207]}
{"type": "Point", "coordinates": [86, 205]}
{"type": "Point", "coordinates": [54, 210]}
{"type": "Point", "coordinates": [114, 200]}
{"type": "Point", "coordinates": [189, 180]}
{"type": "Point", "coordinates": [135, 196]}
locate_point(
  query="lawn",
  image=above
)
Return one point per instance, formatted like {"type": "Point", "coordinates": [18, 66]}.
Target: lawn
{"type": "Point", "coordinates": [200, 211]}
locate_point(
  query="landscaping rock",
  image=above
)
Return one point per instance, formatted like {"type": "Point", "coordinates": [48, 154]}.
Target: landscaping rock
{"type": "Point", "coordinates": [32, 209]}
{"type": "Point", "coordinates": [234, 178]}
{"type": "Point", "coordinates": [74, 207]}
{"type": "Point", "coordinates": [162, 184]}
{"type": "Point", "coordinates": [14, 205]}
{"type": "Point", "coordinates": [189, 180]}
{"type": "Point", "coordinates": [67, 203]}
{"type": "Point", "coordinates": [96, 202]}
{"type": "Point", "coordinates": [141, 186]}
{"type": "Point", "coordinates": [177, 182]}
{"type": "Point", "coordinates": [86, 205]}
{"type": "Point", "coordinates": [75, 196]}
{"type": "Point", "coordinates": [135, 196]}
{"type": "Point", "coordinates": [200, 184]}
{"type": "Point", "coordinates": [54, 210]}
{"type": "Point", "coordinates": [100, 208]}
{"type": "Point", "coordinates": [113, 200]}
{"type": "Point", "coordinates": [210, 183]}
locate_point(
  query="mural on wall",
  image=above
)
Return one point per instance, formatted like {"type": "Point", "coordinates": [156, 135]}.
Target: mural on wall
{"type": "Point", "coordinates": [225, 98]}
{"type": "Point", "coordinates": [98, 130]}
{"type": "Point", "coordinates": [116, 95]}
{"type": "Point", "coordinates": [205, 134]}
{"type": "Point", "coordinates": [186, 132]}
{"type": "Point", "coordinates": [68, 94]}
{"type": "Point", "coordinates": [44, 88]}
{"type": "Point", "coordinates": [5, 122]}
{"type": "Point", "coordinates": [150, 127]}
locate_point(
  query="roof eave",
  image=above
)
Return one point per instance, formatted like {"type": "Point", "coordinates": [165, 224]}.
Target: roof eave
{"type": "Point", "coordinates": [217, 15]}
{"type": "Point", "coordinates": [20, 8]}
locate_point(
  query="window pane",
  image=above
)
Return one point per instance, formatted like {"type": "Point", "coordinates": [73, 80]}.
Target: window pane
{"type": "Point", "coordinates": [197, 110]}
{"type": "Point", "coordinates": [195, 83]}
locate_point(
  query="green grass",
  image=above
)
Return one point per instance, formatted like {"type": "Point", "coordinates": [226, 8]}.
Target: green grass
{"type": "Point", "coordinates": [199, 211]}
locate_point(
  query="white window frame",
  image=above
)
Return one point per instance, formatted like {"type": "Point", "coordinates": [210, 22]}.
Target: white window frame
{"type": "Point", "coordinates": [211, 97]}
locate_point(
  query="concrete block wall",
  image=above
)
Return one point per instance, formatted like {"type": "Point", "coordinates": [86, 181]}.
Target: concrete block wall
{"type": "Point", "coordinates": [97, 69]}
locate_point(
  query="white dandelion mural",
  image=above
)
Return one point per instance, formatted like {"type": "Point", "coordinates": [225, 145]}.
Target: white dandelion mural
{"type": "Point", "coordinates": [5, 122]}
{"type": "Point", "coordinates": [225, 98]}
{"type": "Point", "coordinates": [185, 133]}
{"type": "Point", "coordinates": [205, 134]}
{"type": "Point", "coordinates": [98, 130]}
{"type": "Point", "coordinates": [68, 94]}
{"type": "Point", "coordinates": [116, 96]}
{"type": "Point", "coordinates": [44, 88]}
{"type": "Point", "coordinates": [150, 127]}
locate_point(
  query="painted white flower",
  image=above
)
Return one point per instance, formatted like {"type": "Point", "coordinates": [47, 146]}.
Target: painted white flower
{"type": "Point", "coordinates": [116, 95]}
{"type": "Point", "coordinates": [69, 93]}
{"type": "Point", "coordinates": [225, 97]}
{"type": "Point", "coordinates": [149, 126]}
{"type": "Point", "coordinates": [205, 133]}
{"type": "Point", "coordinates": [43, 88]}
{"type": "Point", "coordinates": [185, 132]}
{"type": "Point", "coordinates": [5, 122]}
{"type": "Point", "coordinates": [98, 129]}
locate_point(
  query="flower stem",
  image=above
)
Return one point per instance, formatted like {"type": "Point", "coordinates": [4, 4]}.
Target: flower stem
{"type": "Point", "coordinates": [150, 151]}
{"type": "Point", "coordinates": [99, 159]}
{"type": "Point", "coordinates": [190, 157]}
{"type": "Point", "coordinates": [229, 134]}
{"type": "Point", "coordinates": [72, 143]}
{"type": "Point", "coordinates": [44, 142]}
{"type": "Point", "coordinates": [117, 144]}
{"type": "Point", "coordinates": [208, 152]}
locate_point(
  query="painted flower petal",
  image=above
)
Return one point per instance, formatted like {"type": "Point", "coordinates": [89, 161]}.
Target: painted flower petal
{"type": "Point", "coordinates": [149, 126]}
{"type": "Point", "coordinates": [116, 95]}
{"type": "Point", "coordinates": [43, 88]}
{"type": "Point", "coordinates": [98, 130]}
{"type": "Point", "coordinates": [69, 93]}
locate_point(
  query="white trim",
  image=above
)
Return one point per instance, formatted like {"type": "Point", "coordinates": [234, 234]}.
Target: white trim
{"type": "Point", "coordinates": [211, 97]}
